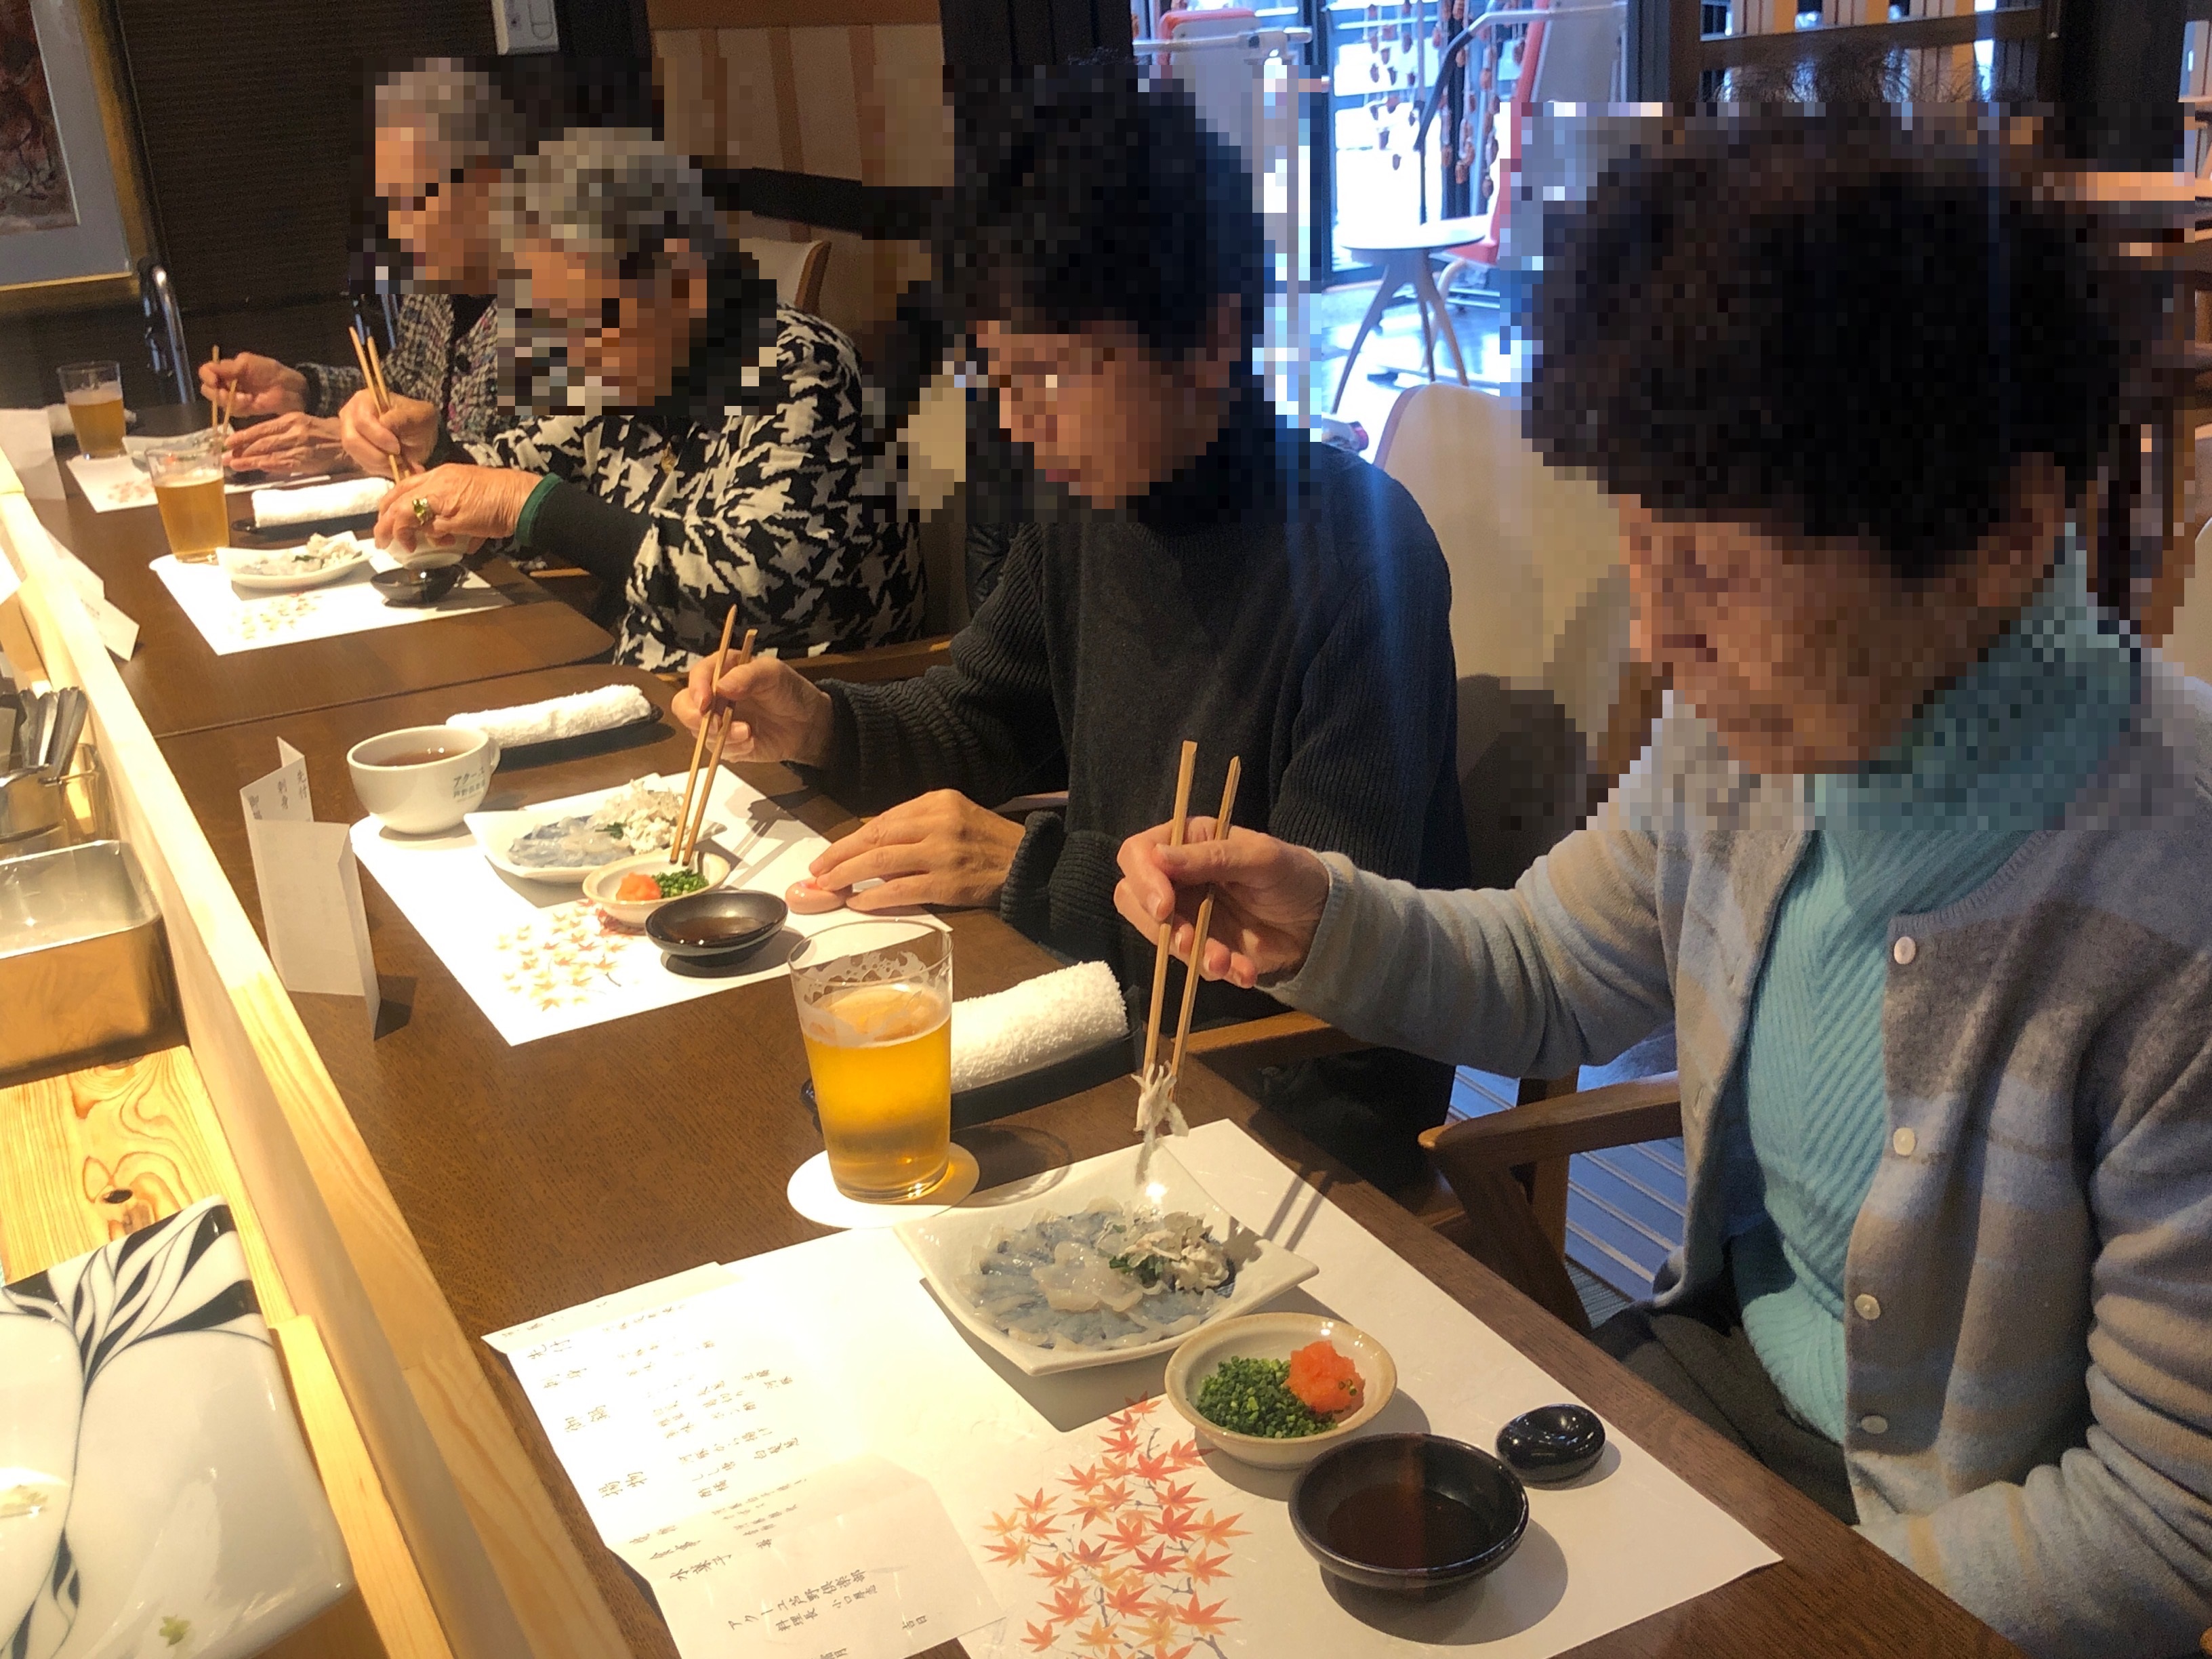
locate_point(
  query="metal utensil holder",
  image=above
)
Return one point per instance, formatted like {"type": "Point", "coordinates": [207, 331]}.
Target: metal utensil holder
{"type": "Point", "coordinates": [38, 816]}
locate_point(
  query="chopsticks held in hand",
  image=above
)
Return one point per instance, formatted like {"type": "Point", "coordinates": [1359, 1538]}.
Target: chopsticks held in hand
{"type": "Point", "coordinates": [222, 399]}
{"type": "Point", "coordinates": [371, 372]}
{"type": "Point", "coordinates": [691, 821]}
{"type": "Point", "coordinates": [1167, 928]}
{"type": "Point", "coordinates": [1205, 921]}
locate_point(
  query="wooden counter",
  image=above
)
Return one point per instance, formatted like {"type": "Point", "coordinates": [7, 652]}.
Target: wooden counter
{"type": "Point", "coordinates": [420, 1185]}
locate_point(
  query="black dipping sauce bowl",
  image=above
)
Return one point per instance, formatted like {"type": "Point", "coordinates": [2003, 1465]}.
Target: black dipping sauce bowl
{"type": "Point", "coordinates": [1411, 1514]}
{"type": "Point", "coordinates": [412, 585]}
{"type": "Point", "coordinates": [1552, 1443]}
{"type": "Point", "coordinates": [716, 929]}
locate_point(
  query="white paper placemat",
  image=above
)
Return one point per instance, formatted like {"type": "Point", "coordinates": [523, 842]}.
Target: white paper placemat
{"type": "Point", "coordinates": [231, 621]}
{"type": "Point", "coordinates": [535, 956]}
{"type": "Point", "coordinates": [112, 483]}
{"type": "Point", "coordinates": [1050, 1479]}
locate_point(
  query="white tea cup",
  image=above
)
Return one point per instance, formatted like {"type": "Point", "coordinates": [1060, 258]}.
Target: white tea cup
{"type": "Point", "coordinates": [422, 779]}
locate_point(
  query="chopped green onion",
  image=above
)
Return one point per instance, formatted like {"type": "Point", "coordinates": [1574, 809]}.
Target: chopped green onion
{"type": "Point", "coordinates": [1251, 1396]}
{"type": "Point", "coordinates": [678, 882]}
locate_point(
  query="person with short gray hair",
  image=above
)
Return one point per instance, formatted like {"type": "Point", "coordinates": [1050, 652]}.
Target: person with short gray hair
{"type": "Point", "coordinates": [697, 447]}
{"type": "Point", "coordinates": [445, 137]}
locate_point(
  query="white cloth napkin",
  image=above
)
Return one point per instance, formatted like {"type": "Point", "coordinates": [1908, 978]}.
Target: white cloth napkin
{"type": "Point", "coordinates": [1038, 1023]}
{"type": "Point", "coordinates": [349, 498]}
{"type": "Point", "coordinates": [574, 716]}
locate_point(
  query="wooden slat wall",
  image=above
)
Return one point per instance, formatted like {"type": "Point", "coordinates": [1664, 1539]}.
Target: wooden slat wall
{"type": "Point", "coordinates": [861, 99]}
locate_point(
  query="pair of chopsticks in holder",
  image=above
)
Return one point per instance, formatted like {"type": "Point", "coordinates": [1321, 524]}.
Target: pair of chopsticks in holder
{"type": "Point", "coordinates": [1151, 1078]}
{"type": "Point", "coordinates": [688, 822]}
{"type": "Point", "coordinates": [372, 371]}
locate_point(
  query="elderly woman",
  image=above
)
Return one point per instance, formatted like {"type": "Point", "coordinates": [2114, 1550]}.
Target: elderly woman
{"type": "Point", "coordinates": [444, 137]}
{"type": "Point", "coordinates": [708, 451]}
{"type": "Point", "coordinates": [1914, 867]}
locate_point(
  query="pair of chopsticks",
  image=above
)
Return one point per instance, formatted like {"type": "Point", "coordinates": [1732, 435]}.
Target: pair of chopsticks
{"type": "Point", "coordinates": [1204, 919]}
{"type": "Point", "coordinates": [222, 401]}
{"type": "Point", "coordinates": [689, 823]}
{"type": "Point", "coordinates": [372, 371]}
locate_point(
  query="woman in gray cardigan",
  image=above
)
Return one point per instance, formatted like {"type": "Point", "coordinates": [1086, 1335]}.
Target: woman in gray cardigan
{"type": "Point", "coordinates": [1914, 865]}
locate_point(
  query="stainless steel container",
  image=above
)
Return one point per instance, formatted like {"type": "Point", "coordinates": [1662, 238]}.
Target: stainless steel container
{"type": "Point", "coordinates": [37, 816]}
{"type": "Point", "coordinates": [84, 964]}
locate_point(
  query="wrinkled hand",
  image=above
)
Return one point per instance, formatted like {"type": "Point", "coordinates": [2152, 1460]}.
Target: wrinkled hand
{"type": "Point", "coordinates": [776, 715]}
{"type": "Point", "coordinates": [938, 849]}
{"type": "Point", "coordinates": [472, 503]}
{"type": "Point", "coordinates": [1267, 897]}
{"type": "Point", "coordinates": [409, 431]}
{"type": "Point", "coordinates": [264, 386]}
{"type": "Point", "coordinates": [285, 447]}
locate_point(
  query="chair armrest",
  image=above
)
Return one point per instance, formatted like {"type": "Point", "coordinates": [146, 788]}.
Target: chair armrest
{"type": "Point", "coordinates": [1619, 1115]}
{"type": "Point", "coordinates": [1273, 1039]}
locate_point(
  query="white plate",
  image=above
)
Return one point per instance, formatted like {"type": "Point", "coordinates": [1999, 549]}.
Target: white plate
{"type": "Point", "coordinates": [714, 867]}
{"type": "Point", "coordinates": [948, 1245]}
{"type": "Point", "coordinates": [147, 1441]}
{"type": "Point", "coordinates": [494, 833]}
{"type": "Point", "coordinates": [230, 557]}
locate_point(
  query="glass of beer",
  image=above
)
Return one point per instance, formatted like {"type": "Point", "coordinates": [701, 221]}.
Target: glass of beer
{"type": "Point", "coordinates": [875, 1008]}
{"type": "Point", "coordinates": [94, 392]}
{"type": "Point", "coordinates": [187, 475]}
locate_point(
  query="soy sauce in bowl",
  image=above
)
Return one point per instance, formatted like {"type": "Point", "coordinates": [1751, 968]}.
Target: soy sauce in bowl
{"type": "Point", "coordinates": [1412, 1515]}
{"type": "Point", "coordinates": [1405, 1526]}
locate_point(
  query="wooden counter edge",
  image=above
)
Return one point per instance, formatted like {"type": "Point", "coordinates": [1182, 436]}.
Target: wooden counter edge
{"type": "Point", "coordinates": [500, 1569]}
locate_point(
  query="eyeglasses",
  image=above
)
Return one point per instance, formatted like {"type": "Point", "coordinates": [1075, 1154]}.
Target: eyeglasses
{"type": "Point", "coordinates": [415, 203]}
{"type": "Point", "coordinates": [1026, 376]}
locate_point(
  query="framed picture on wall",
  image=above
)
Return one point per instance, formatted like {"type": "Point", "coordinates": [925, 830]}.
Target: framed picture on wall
{"type": "Point", "coordinates": [73, 221]}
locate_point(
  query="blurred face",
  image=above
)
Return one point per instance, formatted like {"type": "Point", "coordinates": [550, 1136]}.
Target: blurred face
{"type": "Point", "coordinates": [609, 341]}
{"type": "Point", "coordinates": [1102, 415]}
{"type": "Point", "coordinates": [443, 222]}
{"type": "Point", "coordinates": [1812, 656]}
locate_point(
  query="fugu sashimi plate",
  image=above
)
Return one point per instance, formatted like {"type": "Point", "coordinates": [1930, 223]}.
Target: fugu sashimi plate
{"type": "Point", "coordinates": [1082, 1267]}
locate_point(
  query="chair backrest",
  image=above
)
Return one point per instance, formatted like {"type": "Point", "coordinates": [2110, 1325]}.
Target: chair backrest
{"type": "Point", "coordinates": [795, 268]}
{"type": "Point", "coordinates": [1580, 53]}
{"type": "Point", "coordinates": [1539, 597]}
{"type": "Point", "coordinates": [2189, 642]}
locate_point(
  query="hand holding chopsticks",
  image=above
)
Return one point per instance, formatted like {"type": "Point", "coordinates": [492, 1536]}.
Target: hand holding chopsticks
{"type": "Point", "coordinates": [689, 821]}
{"type": "Point", "coordinates": [372, 372]}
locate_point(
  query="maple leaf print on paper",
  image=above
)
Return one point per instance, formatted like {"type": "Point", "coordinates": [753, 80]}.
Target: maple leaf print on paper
{"type": "Point", "coordinates": [563, 959]}
{"type": "Point", "coordinates": [1133, 1543]}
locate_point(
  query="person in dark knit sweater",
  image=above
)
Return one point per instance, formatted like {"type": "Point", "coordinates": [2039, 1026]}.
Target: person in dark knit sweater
{"type": "Point", "coordinates": [1195, 570]}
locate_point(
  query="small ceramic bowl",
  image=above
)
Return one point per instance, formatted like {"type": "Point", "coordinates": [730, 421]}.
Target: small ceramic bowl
{"type": "Point", "coordinates": [417, 584]}
{"type": "Point", "coordinates": [1276, 1336]}
{"type": "Point", "coordinates": [718, 928]}
{"type": "Point", "coordinates": [599, 886]}
{"type": "Point", "coordinates": [1411, 1514]}
{"type": "Point", "coordinates": [422, 779]}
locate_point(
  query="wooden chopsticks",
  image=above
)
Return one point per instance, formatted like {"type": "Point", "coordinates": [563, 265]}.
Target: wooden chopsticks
{"type": "Point", "coordinates": [1167, 928]}
{"type": "Point", "coordinates": [1205, 921]}
{"type": "Point", "coordinates": [371, 372]}
{"type": "Point", "coordinates": [222, 400]}
{"type": "Point", "coordinates": [690, 822]}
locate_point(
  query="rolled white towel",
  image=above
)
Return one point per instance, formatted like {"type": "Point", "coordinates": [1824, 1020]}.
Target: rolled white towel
{"type": "Point", "coordinates": [1038, 1023]}
{"type": "Point", "coordinates": [577, 716]}
{"type": "Point", "coordinates": [349, 498]}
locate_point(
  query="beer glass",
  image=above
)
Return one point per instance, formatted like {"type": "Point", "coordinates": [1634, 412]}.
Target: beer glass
{"type": "Point", "coordinates": [187, 475]}
{"type": "Point", "coordinates": [94, 392]}
{"type": "Point", "coordinates": [875, 1008]}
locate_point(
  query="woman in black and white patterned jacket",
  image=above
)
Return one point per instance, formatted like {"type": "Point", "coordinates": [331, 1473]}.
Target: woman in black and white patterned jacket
{"type": "Point", "coordinates": [707, 448]}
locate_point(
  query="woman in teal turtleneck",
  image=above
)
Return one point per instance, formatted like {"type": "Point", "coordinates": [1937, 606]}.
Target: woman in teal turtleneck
{"type": "Point", "coordinates": [1916, 865]}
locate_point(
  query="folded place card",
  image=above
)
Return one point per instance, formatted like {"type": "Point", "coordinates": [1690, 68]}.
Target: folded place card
{"type": "Point", "coordinates": [118, 632]}
{"type": "Point", "coordinates": [310, 888]}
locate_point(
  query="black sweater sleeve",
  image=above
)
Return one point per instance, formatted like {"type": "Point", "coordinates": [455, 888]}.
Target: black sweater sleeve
{"type": "Point", "coordinates": [985, 724]}
{"type": "Point", "coordinates": [593, 530]}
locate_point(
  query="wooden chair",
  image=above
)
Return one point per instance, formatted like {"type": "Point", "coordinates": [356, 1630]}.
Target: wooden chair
{"type": "Point", "coordinates": [795, 268]}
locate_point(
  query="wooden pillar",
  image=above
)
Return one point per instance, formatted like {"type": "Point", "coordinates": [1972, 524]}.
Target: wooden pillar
{"type": "Point", "coordinates": [1663, 60]}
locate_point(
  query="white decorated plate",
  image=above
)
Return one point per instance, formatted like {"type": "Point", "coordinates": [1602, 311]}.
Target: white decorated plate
{"type": "Point", "coordinates": [236, 560]}
{"type": "Point", "coordinates": [946, 1247]}
{"type": "Point", "coordinates": [155, 1494]}
{"type": "Point", "coordinates": [496, 833]}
